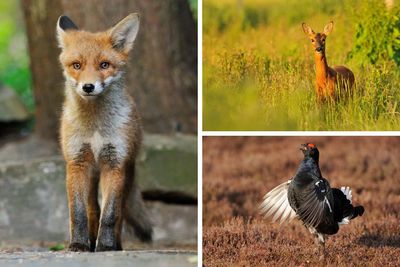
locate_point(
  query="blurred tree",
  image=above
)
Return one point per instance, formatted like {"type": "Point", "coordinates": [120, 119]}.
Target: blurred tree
{"type": "Point", "coordinates": [162, 74]}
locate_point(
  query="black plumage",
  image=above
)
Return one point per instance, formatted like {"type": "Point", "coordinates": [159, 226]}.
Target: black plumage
{"type": "Point", "coordinates": [309, 197]}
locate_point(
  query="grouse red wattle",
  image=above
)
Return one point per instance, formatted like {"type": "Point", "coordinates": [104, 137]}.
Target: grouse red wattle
{"type": "Point", "coordinates": [309, 197]}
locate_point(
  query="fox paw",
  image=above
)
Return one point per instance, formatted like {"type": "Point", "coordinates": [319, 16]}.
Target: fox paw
{"type": "Point", "coordinates": [78, 247]}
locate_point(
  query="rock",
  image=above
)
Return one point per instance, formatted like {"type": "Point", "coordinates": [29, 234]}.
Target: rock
{"type": "Point", "coordinates": [33, 201]}
{"type": "Point", "coordinates": [166, 163]}
{"type": "Point", "coordinates": [34, 207]}
{"type": "Point", "coordinates": [11, 107]}
{"type": "Point", "coordinates": [169, 163]}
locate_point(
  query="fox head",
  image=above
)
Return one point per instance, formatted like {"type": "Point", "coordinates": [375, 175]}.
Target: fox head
{"type": "Point", "coordinates": [93, 62]}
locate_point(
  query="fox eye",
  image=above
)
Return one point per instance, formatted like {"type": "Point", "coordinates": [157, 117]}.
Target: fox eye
{"type": "Point", "coordinates": [104, 65]}
{"type": "Point", "coordinates": [76, 65]}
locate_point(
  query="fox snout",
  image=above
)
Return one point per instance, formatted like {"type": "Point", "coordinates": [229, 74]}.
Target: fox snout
{"type": "Point", "coordinates": [88, 88]}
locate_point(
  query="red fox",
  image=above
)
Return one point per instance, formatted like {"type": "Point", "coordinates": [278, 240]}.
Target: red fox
{"type": "Point", "coordinates": [100, 136]}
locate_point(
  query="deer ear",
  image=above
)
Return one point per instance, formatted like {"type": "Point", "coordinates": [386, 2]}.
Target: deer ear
{"type": "Point", "coordinates": [328, 28]}
{"type": "Point", "coordinates": [124, 33]}
{"type": "Point", "coordinates": [307, 29]}
{"type": "Point", "coordinates": [64, 24]}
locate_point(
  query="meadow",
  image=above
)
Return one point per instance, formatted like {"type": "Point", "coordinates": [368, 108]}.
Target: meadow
{"type": "Point", "coordinates": [238, 171]}
{"type": "Point", "coordinates": [259, 70]}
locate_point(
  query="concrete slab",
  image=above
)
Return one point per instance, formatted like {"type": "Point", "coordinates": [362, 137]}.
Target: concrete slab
{"type": "Point", "coordinates": [171, 258]}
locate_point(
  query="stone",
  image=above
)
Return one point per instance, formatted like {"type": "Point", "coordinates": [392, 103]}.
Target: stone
{"type": "Point", "coordinates": [11, 106]}
{"type": "Point", "coordinates": [33, 201]}
{"type": "Point", "coordinates": [166, 163]}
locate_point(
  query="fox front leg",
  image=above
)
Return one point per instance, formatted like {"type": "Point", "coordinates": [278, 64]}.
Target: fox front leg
{"type": "Point", "coordinates": [77, 179]}
{"type": "Point", "coordinates": [112, 181]}
{"type": "Point", "coordinates": [93, 211]}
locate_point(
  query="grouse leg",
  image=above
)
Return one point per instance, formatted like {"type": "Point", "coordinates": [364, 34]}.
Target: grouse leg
{"type": "Point", "coordinates": [321, 245]}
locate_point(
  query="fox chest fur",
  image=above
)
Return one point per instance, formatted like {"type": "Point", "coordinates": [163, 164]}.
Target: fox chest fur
{"type": "Point", "coordinates": [100, 129]}
{"type": "Point", "coordinates": [100, 136]}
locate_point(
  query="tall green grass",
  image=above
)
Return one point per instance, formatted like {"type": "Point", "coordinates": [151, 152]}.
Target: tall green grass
{"type": "Point", "coordinates": [259, 72]}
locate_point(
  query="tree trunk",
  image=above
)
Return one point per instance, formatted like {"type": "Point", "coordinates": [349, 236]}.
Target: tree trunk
{"type": "Point", "coordinates": [161, 74]}
{"type": "Point", "coordinates": [47, 80]}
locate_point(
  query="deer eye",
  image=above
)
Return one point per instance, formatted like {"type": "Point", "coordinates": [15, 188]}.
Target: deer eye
{"type": "Point", "coordinates": [104, 65]}
{"type": "Point", "coordinates": [76, 65]}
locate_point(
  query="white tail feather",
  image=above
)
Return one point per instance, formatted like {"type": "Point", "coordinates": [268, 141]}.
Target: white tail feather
{"type": "Point", "coordinates": [345, 220]}
{"type": "Point", "coordinates": [276, 204]}
{"type": "Point", "coordinates": [347, 192]}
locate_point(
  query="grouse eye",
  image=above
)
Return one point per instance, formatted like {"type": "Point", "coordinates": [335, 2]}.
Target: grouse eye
{"type": "Point", "coordinates": [312, 40]}
{"type": "Point", "coordinates": [76, 65]}
{"type": "Point", "coordinates": [104, 65]}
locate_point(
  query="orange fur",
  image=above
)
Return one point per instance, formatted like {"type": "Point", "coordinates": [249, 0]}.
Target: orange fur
{"type": "Point", "coordinates": [100, 135]}
{"type": "Point", "coordinates": [330, 82]}
{"type": "Point", "coordinates": [90, 49]}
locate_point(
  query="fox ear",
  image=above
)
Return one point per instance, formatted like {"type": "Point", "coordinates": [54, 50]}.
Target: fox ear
{"type": "Point", "coordinates": [124, 33]}
{"type": "Point", "coordinates": [307, 29]}
{"type": "Point", "coordinates": [328, 28]}
{"type": "Point", "coordinates": [64, 24]}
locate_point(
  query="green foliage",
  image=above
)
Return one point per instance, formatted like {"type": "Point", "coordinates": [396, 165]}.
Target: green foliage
{"type": "Point", "coordinates": [243, 14]}
{"type": "Point", "coordinates": [193, 6]}
{"type": "Point", "coordinates": [57, 247]}
{"type": "Point", "coordinates": [377, 33]}
{"type": "Point", "coordinates": [263, 77]}
{"type": "Point", "coordinates": [14, 66]}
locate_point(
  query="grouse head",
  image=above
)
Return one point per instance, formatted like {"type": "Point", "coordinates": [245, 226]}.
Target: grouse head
{"type": "Point", "coordinates": [310, 151]}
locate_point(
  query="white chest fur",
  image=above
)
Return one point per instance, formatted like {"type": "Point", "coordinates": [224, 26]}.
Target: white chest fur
{"type": "Point", "coordinates": [97, 142]}
{"type": "Point", "coordinates": [108, 131]}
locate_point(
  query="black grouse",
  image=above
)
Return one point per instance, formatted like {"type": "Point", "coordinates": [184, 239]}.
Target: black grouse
{"type": "Point", "coordinates": [309, 197]}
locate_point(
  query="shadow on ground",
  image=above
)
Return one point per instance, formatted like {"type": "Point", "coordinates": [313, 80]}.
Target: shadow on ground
{"type": "Point", "coordinates": [376, 241]}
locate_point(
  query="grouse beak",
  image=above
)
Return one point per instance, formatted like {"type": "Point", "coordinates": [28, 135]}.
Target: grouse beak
{"type": "Point", "coordinates": [303, 147]}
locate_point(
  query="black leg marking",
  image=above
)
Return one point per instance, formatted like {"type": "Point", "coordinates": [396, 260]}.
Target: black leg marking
{"type": "Point", "coordinates": [79, 229]}
{"type": "Point", "coordinates": [107, 239]}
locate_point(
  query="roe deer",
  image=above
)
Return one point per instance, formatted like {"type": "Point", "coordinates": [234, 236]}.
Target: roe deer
{"type": "Point", "coordinates": [331, 82]}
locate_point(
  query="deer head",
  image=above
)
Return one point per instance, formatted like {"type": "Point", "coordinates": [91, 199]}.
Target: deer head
{"type": "Point", "coordinates": [318, 39]}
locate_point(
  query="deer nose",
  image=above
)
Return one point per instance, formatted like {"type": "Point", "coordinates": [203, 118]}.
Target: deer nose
{"type": "Point", "coordinates": [88, 87]}
{"type": "Point", "coordinates": [319, 49]}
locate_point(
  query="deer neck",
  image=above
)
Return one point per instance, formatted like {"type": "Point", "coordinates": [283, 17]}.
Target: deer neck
{"type": "Point", "coordinates": [321, 67]}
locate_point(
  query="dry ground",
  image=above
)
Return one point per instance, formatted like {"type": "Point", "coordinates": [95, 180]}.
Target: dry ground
{"type": "Point", "coordinates": [238, 171]}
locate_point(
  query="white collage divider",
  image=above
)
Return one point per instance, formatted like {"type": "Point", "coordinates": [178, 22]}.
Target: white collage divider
{"type": "Point", "coordinates": [202, 133]}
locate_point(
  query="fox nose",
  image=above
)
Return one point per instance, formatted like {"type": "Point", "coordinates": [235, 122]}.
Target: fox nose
{"type": "Point", "coordinates": [88, 88]}
{"type": "Point", "coordinates": [319, 49]}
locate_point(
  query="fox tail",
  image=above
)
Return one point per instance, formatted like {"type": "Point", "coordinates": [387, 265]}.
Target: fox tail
{"type": "Point", "coordinates": [137, 217]}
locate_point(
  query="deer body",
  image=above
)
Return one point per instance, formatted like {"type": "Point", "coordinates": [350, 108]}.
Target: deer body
{"type": "Point", "coordinates": [330, 82]}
